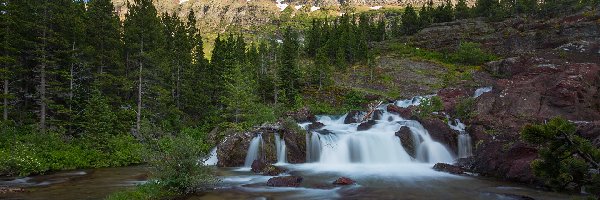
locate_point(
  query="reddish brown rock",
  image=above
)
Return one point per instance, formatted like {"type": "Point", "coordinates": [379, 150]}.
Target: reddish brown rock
{"type": "Point", "coordinates": [366, 125]}
{"type": "Point", "coordinates": [354, 116]}
{"type": "Point", "coordinates": [444, 167]}
{"type": "Point", "coordinates": [408, 141]}
{"type": "Point", "coordinates": [258, 166]}
{"type": "Point", "coordinates": [452, 96]}
{"type": "Point", "coordinates": [315, 125]}
{"type": "Point", "coordinates": [441, 132]}
{"type": "Point", "coordinates": [285, 181]}
{"type": "Point", "coordinates": [344, 181]}
{"type": "Point", "coordinates": [405, 113]}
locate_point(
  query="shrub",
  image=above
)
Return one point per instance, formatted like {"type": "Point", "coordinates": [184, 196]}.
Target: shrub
{"type": "Point", "coordinates": [177, 165]}
{"type": "Point", "coordinates": [566, 161]}
{"type": "Point", "coordinates": [465, 108]}
{"type": "Point", "coordinates": [470, 53]}
{"type": "Point", "coordinates": [429, 105]}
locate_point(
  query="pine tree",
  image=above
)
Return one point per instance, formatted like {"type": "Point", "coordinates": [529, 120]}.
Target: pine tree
{"type": "Point", "coordinates": [104, 50]}
{"type": "Point", "coordinates": [143, 44]}
{"type": "Point", "coordinates": [321, 71]}
{"type": "Point", "coordinates": [8, 53]}
{"type": "Point", "coordinates": [462, 11]}
{"type": "Point", "coordinates": [410, 21]}
{"type": "Point", "coordinates": [288, 72]}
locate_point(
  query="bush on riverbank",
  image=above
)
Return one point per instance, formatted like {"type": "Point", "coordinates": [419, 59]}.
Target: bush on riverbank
{"type": "Point", "coordinates": [25, 151]}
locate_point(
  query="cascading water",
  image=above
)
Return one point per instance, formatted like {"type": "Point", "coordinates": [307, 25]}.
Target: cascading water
{"type": "Point", "coordinates": [339, 143]}
{"type": "Point", "coordinates": [254, 150]}
{"type": "Point", "coordinates": [464, 139]}
{"type": "Point", "coordinates": [212, 157]}
{"type": "Point", "coordinates": [482, 90]}
{"type": "Point", "coordinates": [280, 147]}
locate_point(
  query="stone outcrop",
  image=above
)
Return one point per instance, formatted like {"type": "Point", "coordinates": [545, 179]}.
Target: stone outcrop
{"type": "Point", "coordinates": [232, 151]}
{"type": "Point", "coordinates": [408, 141]}
{"type": "Point", "coordinates": [406, 113]}
{"type": "Point", "coordinates": [441, 132]}
{"type": "Point", "coordinates": [285, 181]}
{"type": "Point", "coordinates": [366, 125]}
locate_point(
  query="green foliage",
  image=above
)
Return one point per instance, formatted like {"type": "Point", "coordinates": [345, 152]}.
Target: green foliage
{"type": "Point", "coordinates": [429, 105]}
{"type": "Point", "coordinates": [465, 108]}
{"type": "Point", "coordinates": [567, 161]}
{"type": "Point", "coordinates": [462, 11]}
{"type": "Point", "coordinates": [354, 100]}
{"type": "Point", "coordinates": [176, 165]}
{"type": "Point", "coordinates": [24, 151]}
{"type": "Point", "coordinates": [470, 53]}
{"type": "Point", "coordinates": [411, 23]}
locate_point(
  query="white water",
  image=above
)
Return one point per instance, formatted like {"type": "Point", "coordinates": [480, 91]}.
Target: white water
{"type": "Point", "coordinates": [338, 143]}
{"type": "Point", "coordinates": [212, 157]}
{"type": "Point", "coordinates": [482, 90]}
{"type": "Point", "coordinates": [280, 147]}
{"type": "Point", "coordinates": [254, 150]}
{"type": "Point", "coordinates": [464, 139]}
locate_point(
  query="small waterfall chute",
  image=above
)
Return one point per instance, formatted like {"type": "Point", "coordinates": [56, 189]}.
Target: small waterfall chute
{"type": "Point", "coordinates": [482, 90]}
{"type": "Point", "coordinates": [281, 149]}
{"type": "Point", "coordinates": [465, 148]}
{"type": "Point", "coordinates": [212, 157]}
{"type": "Point", "coordinates": [254, 150]}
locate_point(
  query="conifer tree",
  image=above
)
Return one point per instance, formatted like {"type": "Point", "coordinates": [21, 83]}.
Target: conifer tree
{"type": "Point", "coordinates": [410, 21]}
{"type": "Point", "coordinates": [288, 72]}
{"type": "Point", "coordinates": [462, 11]}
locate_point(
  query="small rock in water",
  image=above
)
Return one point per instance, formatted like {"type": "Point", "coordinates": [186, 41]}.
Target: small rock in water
{"type": "Point", "coordinates": [5, 190]}
{"type": "Point", "coordinates": [285, 181]}
{"type": "Point", "coordinates": [273, 170]}
{"type": "Point", "coordinates": [444, 167]}
{"type": "Point", "coordinates": [258, 166]}
{"type": "Point", "coordinates": [315, 125]}
{"type": "Point", "coordinates": [366, 125]}
{"type": "Point", "coordinates": [344, 181]}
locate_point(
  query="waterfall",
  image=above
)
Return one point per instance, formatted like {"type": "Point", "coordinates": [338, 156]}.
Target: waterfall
{"type": "Point", "coordinates": [339, 143]}
{"type": "Point", "coordinates": [254, 150]}
{"type": "Point", "coordinates": [482, 90]}
{"type": "Point", "coordinates": [212, 157]}
{"type": "Point", "coordinates": [280, 147]}
{"type": "Point", "coordinates": [464, 139]}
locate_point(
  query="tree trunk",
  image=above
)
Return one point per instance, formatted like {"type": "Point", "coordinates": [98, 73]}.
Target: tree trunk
{"type": "Point", "coordinates": [5, 112]}
{"type": "Point", "coordinates": [43, 79]}
{"type": "Point", "coordinates": [139, 102]}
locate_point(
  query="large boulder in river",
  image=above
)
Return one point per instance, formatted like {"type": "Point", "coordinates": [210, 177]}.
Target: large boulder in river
{"type": "Point", "coordinates": [366, 125]}
{"type": "Point", "coordinates": [258, 166]}
{"type": "Point", "coordinates": [354, 116]}
{"type": "Point", "coordinates": [441, 132]}
{"type": "Point", "coordinates": [406, 113]}
{"type": "Point", "coordinates": [315, 125]}
{"type": "Point", "coordinates": [444, 167]}
{"type": "Point", "coordinates": [285, 181]}
{"type": "Point", "coordinates": [408, 141]}
{"type": "Point", "coordinates": [295, 140]}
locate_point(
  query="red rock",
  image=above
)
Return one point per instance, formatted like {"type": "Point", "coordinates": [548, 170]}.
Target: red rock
{"type": "Point", "coordinates": [444, 167]}
{"type": "Point", "coordinates": [258, 166]}
{"type": "Point", "coordinates": [405, 113]}
{"type": "Point", "coordinates": [366, 125]}
{"type": "Point", "coordinates": [344, 181]}
{"type": "Point", "coordinates": [315, 125]}
{"type": "Point", "coordinates": [285, 181]}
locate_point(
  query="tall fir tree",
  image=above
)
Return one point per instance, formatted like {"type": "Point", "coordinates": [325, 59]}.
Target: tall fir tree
{"type": "Point", "coordinates": [288, 72]}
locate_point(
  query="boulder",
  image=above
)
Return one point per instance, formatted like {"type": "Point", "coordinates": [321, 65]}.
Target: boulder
{"type": "Point", "coordinates": [295, 140]}
{"type": "Point", "coordinates": [315, 125]}
{"type": "Point", "coordinates": [354, 116]}
{"type": "Point", "coordinates": [366, 125]}
{"type": "Point", "coordinates": [405, 113]}
{"type": "Point", "coordinates": [377, 114]}
{"type": "Point", "coordinates": [441, 132]}
{"type": "Point", "coordinates": [408, 141]}
{"type": "Point", "coordinates": [451, 97]}
{"type": "Point", "coordinates": [344, 181]}
{"type": "Point", "coordinates": [258, 166]}
{"type": "Point", "coordinates": [285, 181]}
{"type": "Point", "coordinates": [5, 190]}
{"type": "Point", "coordinates": [444, 167]}
{"type": "Point", "coordinates": [272, 170]}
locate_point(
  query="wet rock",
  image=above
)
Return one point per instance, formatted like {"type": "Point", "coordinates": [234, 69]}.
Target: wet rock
{"type": "Point", "coordinates": [405, 113]}
{"type": "Point", "coordinates": [315, 125]}
{"type": "Point", "coordinates": [366, 125]}
{"type": "Point", "coordinates": [377, 114]}
{"type": "Point", "coordinates": [353, 117]}
{"type": "Point", "coordinates": [285, 181]}
{"type": "Point", "coordinates": [407, 140]}
{"type": "Point", "coordinates": [344, 181]}
{"type": "Point", "coordinates": [441, 132]}
{"type": "Point", "coordinates": [272, 170]}
{"type": "Point", "coordinates": [295, 140]}
{"type": "Point", "coordinates": [302, 115]}
{"type": "Point", "coordinates": [444, 167]}
{"type": "Point", "coordinates": [6, 190]}
{"type": "Point", "coordinates": [258, 166]}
